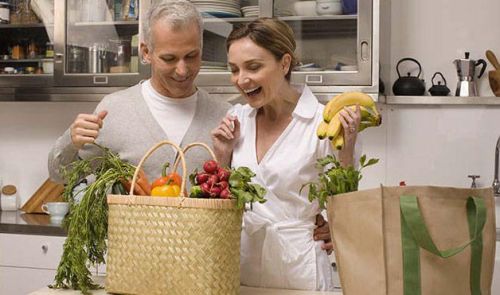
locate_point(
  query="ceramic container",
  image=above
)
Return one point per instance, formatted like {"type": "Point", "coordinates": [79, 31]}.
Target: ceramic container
{"type": "Point", "coordinates": [328, 7]}
{"type": "Point", "coordinates": [305, 8]}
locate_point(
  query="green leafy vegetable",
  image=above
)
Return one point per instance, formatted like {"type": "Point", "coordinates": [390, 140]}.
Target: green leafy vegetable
{"type": "Point", "coordinates": [243, 189]}
{"type": "Point", "coordinates": [87, 221]}
{"type": "Point", "coordinates": [335, 179]}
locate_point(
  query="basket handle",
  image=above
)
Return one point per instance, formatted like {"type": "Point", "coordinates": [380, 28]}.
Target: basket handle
{"type": "Point", "coordinates": [189, 146]}
{"type": "Point", "coordinates": [151, 150]}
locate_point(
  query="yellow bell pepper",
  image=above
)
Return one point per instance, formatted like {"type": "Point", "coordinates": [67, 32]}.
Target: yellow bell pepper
{"type": "Point", "coordinates": [167, 190]}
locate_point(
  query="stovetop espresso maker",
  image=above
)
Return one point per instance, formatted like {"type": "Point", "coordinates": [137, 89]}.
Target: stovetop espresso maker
{"type": "Point", "coordinates": [466, 71]}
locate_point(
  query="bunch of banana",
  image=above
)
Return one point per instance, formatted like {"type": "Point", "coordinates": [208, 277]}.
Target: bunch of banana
{"type": "Point", "coordinates": [331, 127]}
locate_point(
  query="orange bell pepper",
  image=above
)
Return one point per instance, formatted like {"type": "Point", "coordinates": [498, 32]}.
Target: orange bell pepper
{"type": "Point", "coordinates": [172, 178]}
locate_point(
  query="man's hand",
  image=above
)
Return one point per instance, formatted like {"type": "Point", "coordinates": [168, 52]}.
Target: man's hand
{"type": "Point", "coordinates": [85, 128]}
{"type": "Point", "coordinates": [322, 233]}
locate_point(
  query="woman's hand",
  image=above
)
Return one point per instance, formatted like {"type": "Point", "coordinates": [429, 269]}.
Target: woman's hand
{"type": "Point", "coordinates": [350, 122]}
{"type": "Point", "coordinates": [224, 137]}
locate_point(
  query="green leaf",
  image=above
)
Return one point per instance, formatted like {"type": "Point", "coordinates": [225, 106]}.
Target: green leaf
{"type": "Point", "coordinates": [192, 177]}
{"type": "Point", "coordinates": [245, 172]}
{"type": "Point", "coordinates": [371, 162]}
{"type": "Point", "coordinates": [236, 180]}
{"type": "Point", "coordinates": [362, 160]}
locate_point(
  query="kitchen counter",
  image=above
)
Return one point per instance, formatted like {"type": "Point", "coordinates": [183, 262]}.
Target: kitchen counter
{"type": "Point", "coordinates": [243, 291]}
{"type": "Point", "coordinates": [18, 222]}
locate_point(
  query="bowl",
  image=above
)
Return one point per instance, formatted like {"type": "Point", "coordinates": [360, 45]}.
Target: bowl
{"type": "Point", "coordinates": [328, 7]}
{"type": "Point", "coordinates": [305, 8]}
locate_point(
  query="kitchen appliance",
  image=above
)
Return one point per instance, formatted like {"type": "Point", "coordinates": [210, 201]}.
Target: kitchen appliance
{"type": "Point", "coordinates": [439, 90]}
{"type": "Point", "coordinates": [494, 75]}
{"type": "Point", "coordinates": [466, 71]}
{"type": "Point", "coordinates": [409, 85]}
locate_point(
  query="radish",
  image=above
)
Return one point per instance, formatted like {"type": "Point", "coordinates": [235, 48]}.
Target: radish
{"type": "Point", "coordinates": [210, 166]}
{"type": "Point", "coordinates": [223, 174]}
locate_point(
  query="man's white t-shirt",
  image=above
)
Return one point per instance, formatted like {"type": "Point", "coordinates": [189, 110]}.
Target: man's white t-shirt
{"type": "Point", "coordinates": [174, 115]}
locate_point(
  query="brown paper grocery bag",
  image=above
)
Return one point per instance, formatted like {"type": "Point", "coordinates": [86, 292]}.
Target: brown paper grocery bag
{"type": "Point", "coordinates": [442, 255]}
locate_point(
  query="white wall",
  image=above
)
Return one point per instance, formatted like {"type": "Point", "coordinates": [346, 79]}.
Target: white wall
{"type": "Point", "coordinates": [437, 32]}
{"type": "Point", "coordinates": [437, 145]}
{"type": "Point", "coordinates": [27, 132]}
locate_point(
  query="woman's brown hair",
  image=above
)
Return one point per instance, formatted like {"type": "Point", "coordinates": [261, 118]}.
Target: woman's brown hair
{"type": "Point", "coordinates": [271, 34]}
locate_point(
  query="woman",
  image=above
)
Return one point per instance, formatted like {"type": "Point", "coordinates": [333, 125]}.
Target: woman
{"type": "Point", "coordinates": [275, 136]}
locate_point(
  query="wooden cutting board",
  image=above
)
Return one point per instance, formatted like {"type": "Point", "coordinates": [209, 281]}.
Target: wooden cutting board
{"type": "Point", "coordinates": [49, 191]}
{"type": "Point", "coordinates": [494, 79]}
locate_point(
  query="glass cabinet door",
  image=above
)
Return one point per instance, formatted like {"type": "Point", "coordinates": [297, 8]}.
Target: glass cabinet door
{"type": "Point", "coordinates": [26, 43]}
{"type": "Point", "coordinates": [98, 43]}
{"type": "Point", "coordinates": [334, 38]}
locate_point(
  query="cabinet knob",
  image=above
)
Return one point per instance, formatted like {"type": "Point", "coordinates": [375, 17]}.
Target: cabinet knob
{"type": "Point", "coordinates": [45, 248]}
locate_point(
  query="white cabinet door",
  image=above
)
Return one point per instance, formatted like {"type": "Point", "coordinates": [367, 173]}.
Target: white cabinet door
{"type": "Point", "coordinates": [22, 281]}
{"type": "Point", "coordinates": [30, 251]}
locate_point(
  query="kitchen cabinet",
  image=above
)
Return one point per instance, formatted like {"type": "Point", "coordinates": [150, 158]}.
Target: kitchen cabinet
{"type": "Point", "coordinates": [72, 43]}
{"type": "Point", "coordinates": [28, 262]}
{"type": "Point", "coordinates": [337, 52]}
{"type": "Point", "coordinates": [85, 49]}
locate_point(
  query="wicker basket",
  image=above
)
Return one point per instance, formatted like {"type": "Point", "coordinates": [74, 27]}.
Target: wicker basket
{"type": "Point", "coordinates": [178, 245]}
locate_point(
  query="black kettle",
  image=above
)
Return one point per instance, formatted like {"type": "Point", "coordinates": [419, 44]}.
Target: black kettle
{"type": "Point", "coordinates": [410, 85]}
{"type": "Point", "coordinates": [439, 90]}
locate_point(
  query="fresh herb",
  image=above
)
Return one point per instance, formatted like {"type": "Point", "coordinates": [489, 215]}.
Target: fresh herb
{"type": "Point", "coordinates": [336, 179]}
{"type": "Point", "coordinates": [243, 190]}
{"type": "Point", "coordinates": [87, 221]}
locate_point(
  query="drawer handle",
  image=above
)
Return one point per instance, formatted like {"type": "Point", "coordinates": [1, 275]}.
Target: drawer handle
{"type": "Point", "coordinates": [45, 248]}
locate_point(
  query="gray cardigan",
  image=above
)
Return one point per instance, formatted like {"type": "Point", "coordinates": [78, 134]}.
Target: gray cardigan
{"type": "Point", "coordinates": [130, 130]}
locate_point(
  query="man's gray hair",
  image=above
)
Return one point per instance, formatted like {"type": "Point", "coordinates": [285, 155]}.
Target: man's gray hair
{"type": "Point", "coordinates": [179, 13]}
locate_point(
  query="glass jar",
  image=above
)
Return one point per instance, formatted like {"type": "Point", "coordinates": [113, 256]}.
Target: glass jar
{"type": "Point", "coordinates": [9, 199]}
{"type": "Point", "coordinates": [49, 49]}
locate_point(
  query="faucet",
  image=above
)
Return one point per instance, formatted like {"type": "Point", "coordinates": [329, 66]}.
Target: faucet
{"type": "Point", "coordinates": [496, 182]}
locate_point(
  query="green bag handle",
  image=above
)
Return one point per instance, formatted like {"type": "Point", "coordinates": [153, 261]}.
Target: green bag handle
{"type": "Point", "coordinates": [414, 235]}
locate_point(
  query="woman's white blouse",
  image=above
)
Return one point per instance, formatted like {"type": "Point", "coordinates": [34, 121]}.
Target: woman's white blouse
{"type": "Point", "coordinates": [277, 246]}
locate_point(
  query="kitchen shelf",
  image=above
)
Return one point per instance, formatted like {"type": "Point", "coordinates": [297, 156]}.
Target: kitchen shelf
{"type": "Point", "coordinates": [283, 18]}
{"type": "Point", "coordinates": [24, 26]}
{"type": "Point", "coordinates": [439, 100]}
{"type": "Point", "coordinates": [318, 18]}
{"type": "Point", "coordinates": [30, 60]}
{"type": "Point", "coordinates": [106, 23]}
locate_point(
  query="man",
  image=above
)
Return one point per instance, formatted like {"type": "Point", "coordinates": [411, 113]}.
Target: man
{"type": "Point", "coordinates": [167, 106]}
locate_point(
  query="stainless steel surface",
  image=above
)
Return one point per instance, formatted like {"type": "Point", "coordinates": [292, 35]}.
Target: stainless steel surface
{"type": "Point", "coordinates": [439, 100]}
{"type": "Point", "coordinates": [63, 78]}
{"type": "Point", "coordinates": [466, 72]}
{"type": "Point", "coordinates": [215, 82]}
{"type": "Point", "coordinates": [366, 25]}
{"type": "Point", "coordinates": [473, 177]}
{"type": "Point", "coordinates": [496, 182]}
